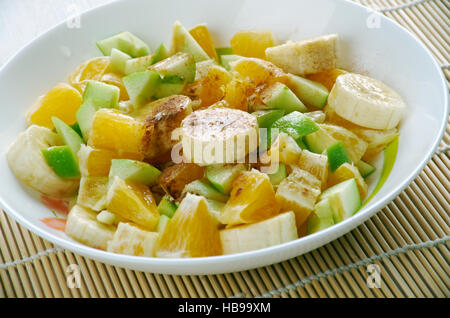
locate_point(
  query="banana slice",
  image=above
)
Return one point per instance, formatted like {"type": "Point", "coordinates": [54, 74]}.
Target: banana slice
{"type": "Point", "coordinates": [218, 135]}
{"type": "Point", "coordinates": [366, 102]}
{"type": "Point", "coordinates": [276, 230]}
{"type": "Point", "coordinates": [82, 225]}
{"type": "Point", "coordinates": [28, 164]}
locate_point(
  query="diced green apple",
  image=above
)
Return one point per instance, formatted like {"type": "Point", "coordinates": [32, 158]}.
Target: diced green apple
{"type": "Point", "coordinates": [319, 141]}
{"type": "Point", "coordinates": [222, 176]}
{"type": "Point", "coordinates": [85, 116]}
{"type": "Point", "coordinates": [224, 51]}
{"type": "Point", "coordinates": [101, 95]}
{"type": "Point", "coordinates": [180, 64]}
{"type": "Point", "coordinates": [321, 218]}
{"type": "Point", "coordinates": [141, 86]}
{"type": "Point", "coordinates": [279, 175]}
{"type": "Point", "coordinates": [77, 128]}
{"type": "Point", "coordinates": [135, 171]}
{"type": "Point", "coordinates": [225, 60]}
{"type": "Point", "coordinates": [170, 85]}
{"type": "Point", "coordinates": [125, 42]}
{"type": "Point", "coordinates": [296, 125]}
{"type": "Point", "coordinates": [161, 53]}
{"type": "Point", "coordinates": [182, 41]}
{"type": "Point", "coordinates": [203, 188]}
{"type": "Point", "coordinates": [69, 136]}
{"type": "Point", "coordinates": [365, 168]}
{"type": "Point", "coordinates": [344, 198]}
{"type": "Point", "coordinates": [119, 60]}
{"type": "Point", "coordinates": [337, 155]}
{"type": "Point", "coordinates": [62, 160]}
{"type": "Point", "coordinates": [266, 118]}
{"type": "Point", "coordinates": [167, 206]}
{"type": "Point", "coordinates": [163, 219]}
{"type": "Point", "coordinates": [138, 64]}
{"type": "Point", "coordinates": [309, 92]}
{"type": "Point", "coordinates": [280, 96]}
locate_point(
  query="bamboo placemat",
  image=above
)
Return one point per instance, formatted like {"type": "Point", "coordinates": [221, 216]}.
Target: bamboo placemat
{"type": "Point", "coordinates": [407, 241]}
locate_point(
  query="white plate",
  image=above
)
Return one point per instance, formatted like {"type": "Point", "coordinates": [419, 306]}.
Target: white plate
{"type": "Point", "coordinates": [371, 44]}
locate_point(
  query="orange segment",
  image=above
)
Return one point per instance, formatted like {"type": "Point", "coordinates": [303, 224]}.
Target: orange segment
{"type": "Point", "coordinates": [252, 199]}
{"type": "Point", "coordinates": [201, 34]}
{"type": "Point", "coordinates": [117, 132]}
{"type": "Point", "coordinates": [116, 80]}
{"type": "Point", "coordinates": [92, 69]}
{"type": "Point", "coordinates": [326, 78]}
{"type": "Point", "coordinates": [61, 101]}
{"type": "Point", "coordinates": [191, 232]}
{"type": "Point", "coordinates": [134, 202]}
{"type": "Point", "coordinates": [237, 92]}
{"type": "Point", "coordinates": [97, 162]}
{"type": "Point", "coordinates": [212, 86]}
{"type": "Point", "coordinates": [252, 43]}
{"type": "Point", "coordinates": [259, 71]}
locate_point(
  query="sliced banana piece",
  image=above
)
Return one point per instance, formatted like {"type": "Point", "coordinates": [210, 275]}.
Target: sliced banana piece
{"type": "Point", "coordinates": [307, 56]}
{"type": "Point", "coordinates": [276, 230]}
{"type": "Point", "coordinates": [28, 164]}
{"type": "Point", "coordinates": [218, 135]}
{"type": "Point", "coordinates": [82, 225]}
{"type": "Point", "coordinates": [366, 102]}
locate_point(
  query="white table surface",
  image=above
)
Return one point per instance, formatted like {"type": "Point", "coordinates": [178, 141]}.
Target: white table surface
{"type": "Point", "coordinates": [23, 20]}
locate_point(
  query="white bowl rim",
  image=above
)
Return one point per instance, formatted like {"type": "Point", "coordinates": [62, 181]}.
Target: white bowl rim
{"type": "Point", "coordinates": [168, 265]}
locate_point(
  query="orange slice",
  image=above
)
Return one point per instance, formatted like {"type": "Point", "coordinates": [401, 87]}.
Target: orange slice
{"type": "Point", "coordinates": [116, 132]}
{"type": "Point", "coordinates": [252, 199]}
{"type": "Point", "coordinates": [61, 101]}
{"type": "Point", "coordinates": [191, 232]}
{"type": "Point", "coordinates": [252, 43]}
{"type": "Point", "coordinates": [201, 34]}
{"type": "Point", "coordinates": [92, 69]}
{"type": "Point", "coordinates": [258, 71]}
{"type": "Point", "coordinates": [326, 78]}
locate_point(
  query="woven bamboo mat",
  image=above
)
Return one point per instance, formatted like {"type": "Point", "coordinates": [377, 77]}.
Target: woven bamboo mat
{"type": "Point", "coordinates": [407, 241]}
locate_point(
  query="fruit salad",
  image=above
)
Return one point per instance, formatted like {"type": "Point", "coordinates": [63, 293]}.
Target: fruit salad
{"type": "Point", "coordinates": [190, 150]}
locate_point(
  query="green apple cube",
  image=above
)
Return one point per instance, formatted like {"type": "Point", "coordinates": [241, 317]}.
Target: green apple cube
{"type": "Point", "coordinates": [69, 136]}
{"type": "Point", "coordinates": [309, 92]}
{"type": "Point", "coordinates": [170, 85]}
{"type": "Point", "coordinates": [266, 118]}
{"type": "Point", "coordinates": [319, 141]}
{"type": "Point", "coordinates": [337, 155]}
{"type": "Point", "coordinates": [119, 60]}
{"type": "Point", "coordinates": [225, 60]}
{"type": "Point", "coordinates": [279, 175]}
{"type": "Point", "coordinates": [125, 42]}
{"type": "Point", "coordinates": [135, 171]}
{"type": "Point", "coordinates": [167, 206]}
{"type": "Point", "coordinates": [163, 219]}
{"type": "Point", "coordinates": [344, 198]}
{"type": "Point", "coordinates": [365, 168]}
{"type": "Point", "coordinates": [141, 86]}
{"type": "Point", "coordinates": [301, 143]}
{"type": "Point", "coordinates": [101, 95]}
{"type": "Point", "coordinates": [280, 96]}
{"type": "Point", "coordinates": [161, 53]}
{"type": "Point", "coordinates": [85, 116]}
{"type": "Point", "coordinates": [182, 41]}
{"type": "Point", "coordinates": [180, 64]}
{"type": "Point", "coordinates": [62, 160]}
{"type": "Point", "coordinates": [203, 188]}
{"type": "Point", "coordinates": [321, 218]}
{"type": "Point", "coordinates": [222, 176]}
{"type": "Point", "coordinates": [138, 64]}
{"type": "Point", "coordinates": [224, 51]}
{"type": "Point", "coordinates": [77, 129]}
{"type": "Point", "coordinates": [296, 125]}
